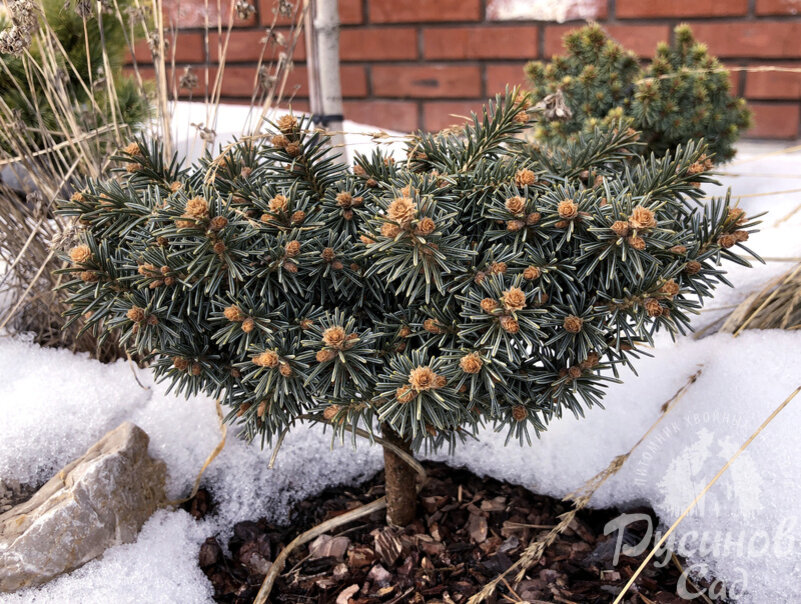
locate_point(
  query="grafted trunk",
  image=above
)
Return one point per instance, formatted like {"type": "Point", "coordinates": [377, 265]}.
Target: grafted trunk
{"type": "Point", "coordinates": [400, 480]}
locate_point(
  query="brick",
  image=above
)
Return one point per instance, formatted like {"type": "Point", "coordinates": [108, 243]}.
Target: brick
{"type": "Point", "coordinates": [498, 76]}
{"type": "Point", "coordinates": [583, 10]}
{"type": "Point", "coordinates": [775, 120]}
{"type": "Point", "coordinates": [185, 47]}
{"type": "Point", "coordinates": [248, 46]}
{"type": "Point", "coordinates": [192, 13]}
{"type": "Point", "coordinates": [392, 115]}
{"type": "Point", "coordinates": [383, 44]}
{"type": "Point", "coordinates": [423, 11]}
{"type": "Point", "coordinates": [353, 78]}
{"type": "Point", "coordinates": [428, 81]}
{"type": "Point", "coordinates": [350, 12]}
{"type": "Point", "coordinates": [628, 9]}
{"type": "Point", "coordinates": [442, 114]}
{"type": "Point", "coordinates": [774, 84]}
{"type": "Point", "coordinates": [778, 7]}
{"type": "Point", "coordinates": [483, 42]}
{"type": "Point", "coordinates": [762, 38]}
{"type": "Point", "coordinates": [642, 39]}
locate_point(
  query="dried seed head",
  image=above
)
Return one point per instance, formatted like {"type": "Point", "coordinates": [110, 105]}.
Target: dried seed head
{"type": "Point", "coordinates": [197, 207]}
{"type": "Point", "coordinates": [334, 337]}
{"type": "Point", "coordinates": [219, 247]}
{"type": "Point", "coordinates": [574, 372]}
{"type": "Point", "coordinates": [80, 254]}
{"type": "Point", "coordinates": [514, 225]}
{"type": "Point", "coordinates": [670, 288]}
{"type": "Point", "coordinates": [620, 228]}
{"type": "Point", "coordinates": [591, 361]}
{"type": "Point", "coordinates": [693, 267]}
{"type": "Point", "coordinates": [89, 277]}
{"type": "Point", "coordinates": [497, 268]}
{"type": "Point", "coordinates": [432, 326]}
{"type": "Point", "coordinates": [268, 358]}
{"type": "Point", "coordinates": [642, 218]}
{"type": "Point", "coordinates": [509, 325]}
{"type": "Point", "coordinates": [330, 412]}
{"type": "Point", "coordinates": [176, 186]}
{"type": "Point", "coordinates": [344, 199]}
{"type": "Point", "coordinates": [727, 240]}
{"type": "Point", "coordinates": [390, 229]}
{"type": "Point", "coordinates": [292, 248]}
{"type": "Point", "coordinates": [515, 205]}
{"type": "Point", "coordinates": [514, 299]}
{"type": "Point", "coordinates": [287, 123]}
{"type": "Point", "coordinates": [366, 240]}
{"type": "Point", "coordinates": [279, 141]}
{"type": "Point", "coordinates": [736, 215]}
{"type": "Point", "coordinates": [328, 254]}
{"type": "Point", "coordinates": [404, 332]}
{"type": "Point", "coordinates": [232, 313]}
{"type": "Point", "coordinates": [325, 355]}
{"type": "Point", "coordinates": [293, 149]}
{"type": "Point", "coordinates": [196, 369]}
{"type": "Point", "coordinates": [488, 305]}
{"type": "Point", "coordinates": [525, 177]}
{"type": "Point", "coordinates": [347, 214]}
{"type": "Point", "coordinates": [136, 314]}
{"type": "Point", "coordinates": [424, 378]}
{"type": "Point", "coordinates": [285, 370]}
{"type": "Point", "coordinates": [77, 196]}
{"type": "Point", "coordinates": [277, 204]}
{"type": "Point", "coordinates": [402, 211]}
{"type": "Point", "coordinates": [132, 149]}
{"type": "Point", "coordinates": [741, 235]}
{"type": "Point", "coordinates": [426, 226]}
{"type": "Point", "coordinates": [638, 243]}
{"type": "Point", "coordinates": [567, 209]}
{"type": "Point", "coordinates": [573, 324]}
{"type": "Point", "coordinates": [180, 363]}
{"type": "Point", "coordinates": [533, 218]}
{"type": "Point", "coordinates": [298, 216]}
{"type": "Point", "coordinates": [471, 363]}
{"type": "Point", "coordinates": [531, 273]}
{"type": "Point", "coordinates": [652, 307]}
{"type": "Point", "coordinates": [248, 325]}
{"type": "Point", "coordinates": [678, 249]}
{"type": "Point", "coordinates": [404, 394]}
{"type": "Point", "coordinates": [290, 267]}
{"type": "Point", "coordinates": [218, 223]}
{"type": "Point", "coordinates": [519, 413]}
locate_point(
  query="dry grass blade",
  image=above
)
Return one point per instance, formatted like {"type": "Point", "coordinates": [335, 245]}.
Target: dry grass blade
{"type": "Point", "coordinates": [703, 492]}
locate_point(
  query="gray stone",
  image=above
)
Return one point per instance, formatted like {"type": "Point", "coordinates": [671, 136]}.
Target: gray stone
{"type": "Point", "coordinates": [99, 500]}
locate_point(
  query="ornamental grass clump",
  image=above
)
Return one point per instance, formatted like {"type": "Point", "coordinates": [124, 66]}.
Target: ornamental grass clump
{"type": "Point", "coordinates": [684, 93]}
{"type": "Point", "coordinates": [476, 282]}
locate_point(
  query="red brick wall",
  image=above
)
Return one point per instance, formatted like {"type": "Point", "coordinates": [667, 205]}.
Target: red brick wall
{"type": "Point", "coordinates": [410, 64]}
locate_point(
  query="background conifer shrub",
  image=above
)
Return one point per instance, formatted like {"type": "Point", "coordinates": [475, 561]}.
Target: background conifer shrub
{"type": "Point", "coordinates": [682, 94]}
{"type": "Point", "coordinates": [481, 281]}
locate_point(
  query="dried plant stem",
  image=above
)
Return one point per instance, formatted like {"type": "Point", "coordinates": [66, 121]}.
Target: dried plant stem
{"type": "Point", "coordinates": [532, 554]}
{"type": "Point", "coordinates": [703, 492]}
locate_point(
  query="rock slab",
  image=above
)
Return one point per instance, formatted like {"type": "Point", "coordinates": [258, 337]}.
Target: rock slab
{"type": "Point", "coordinates": [99, 500]}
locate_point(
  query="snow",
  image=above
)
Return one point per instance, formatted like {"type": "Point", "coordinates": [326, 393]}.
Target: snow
{"type": "Point", "coordinates": [745, 530]}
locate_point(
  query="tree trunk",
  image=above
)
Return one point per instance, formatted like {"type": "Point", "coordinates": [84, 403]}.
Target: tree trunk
{"type": "Point", "coordinates": [400, 479]}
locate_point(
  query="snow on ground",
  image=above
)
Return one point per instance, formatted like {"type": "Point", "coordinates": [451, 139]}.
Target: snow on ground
{"type": "Point", "coordinates": [745, 529]}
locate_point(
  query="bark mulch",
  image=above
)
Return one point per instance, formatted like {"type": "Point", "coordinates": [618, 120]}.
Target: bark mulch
{"type": "Point", "coordinates": [469, 529]}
